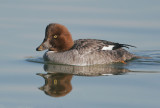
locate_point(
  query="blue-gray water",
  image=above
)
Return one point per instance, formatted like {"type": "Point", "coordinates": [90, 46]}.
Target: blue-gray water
{"type": "Point", "coordinates": [133, 85]}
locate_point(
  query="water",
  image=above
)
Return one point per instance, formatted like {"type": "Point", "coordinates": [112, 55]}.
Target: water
{"type": "Point", "coordinates": [26, 82]}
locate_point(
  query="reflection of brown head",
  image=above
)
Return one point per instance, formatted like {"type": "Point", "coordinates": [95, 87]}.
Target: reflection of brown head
{"type": "Point", "coordinates": [56, 84]}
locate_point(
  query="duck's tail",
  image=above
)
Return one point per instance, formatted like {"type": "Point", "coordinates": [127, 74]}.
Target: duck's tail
{"type": "Point", "coordinates": [127, 46]}
{"type": "Point", "coordinates": [117, 46]}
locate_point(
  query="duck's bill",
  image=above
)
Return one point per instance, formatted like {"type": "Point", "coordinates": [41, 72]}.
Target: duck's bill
{"type": "Point", "coordinates": [42, 47]}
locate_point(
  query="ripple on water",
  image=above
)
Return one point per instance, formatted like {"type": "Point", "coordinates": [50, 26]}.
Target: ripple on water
{"type": "Point", "coordinates": [35, 59]}
{"type": "Point", "coordinates": [151, 64]}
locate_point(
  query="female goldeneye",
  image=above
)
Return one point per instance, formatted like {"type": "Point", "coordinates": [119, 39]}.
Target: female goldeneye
{"type": "Point", "coordinates": [63, 50]}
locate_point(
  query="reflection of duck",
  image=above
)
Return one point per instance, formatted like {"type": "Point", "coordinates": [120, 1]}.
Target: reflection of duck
{"type": "Point", "coordinates": [57, 84]}
{"type": "Point", "coordinates": [58, 77]}
{"type": "Point", "coordinates": [63, 50]}
{"type": "Point", "coordinates": [96, 70]}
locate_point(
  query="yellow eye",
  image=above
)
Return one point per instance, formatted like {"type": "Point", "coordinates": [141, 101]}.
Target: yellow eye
{"type": "Point", "coordinates": [55, 36]}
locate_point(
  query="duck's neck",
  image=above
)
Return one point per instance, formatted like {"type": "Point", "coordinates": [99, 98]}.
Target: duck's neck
{"type": "Point", "coordinates": [68, 45]}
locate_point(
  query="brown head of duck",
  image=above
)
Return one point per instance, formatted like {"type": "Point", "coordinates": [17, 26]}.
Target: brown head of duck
{"type": "Point", "coordinates": [57, 38]}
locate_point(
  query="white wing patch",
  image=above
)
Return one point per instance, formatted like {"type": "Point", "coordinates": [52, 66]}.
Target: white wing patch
{"type": "Point", "coordinates": [109, 47]}
{"type": "Point", "coordinates": [107, 74]}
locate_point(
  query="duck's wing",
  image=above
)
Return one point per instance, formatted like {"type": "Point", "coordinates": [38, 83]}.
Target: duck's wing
{"type": "Point", "coordinates": [91, 45]}
{"type": "Point", "coordinates": [114, 46]}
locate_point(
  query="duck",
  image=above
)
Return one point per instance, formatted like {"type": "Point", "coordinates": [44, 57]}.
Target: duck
{"type": "Point", "coordinates": [62, 49]}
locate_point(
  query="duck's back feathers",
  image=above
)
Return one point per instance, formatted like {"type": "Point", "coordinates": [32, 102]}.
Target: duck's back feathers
{"type": "Point", "coordinates": [91, 45]}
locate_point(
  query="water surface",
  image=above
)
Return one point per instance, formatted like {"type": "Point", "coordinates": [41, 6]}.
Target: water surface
{"type": "Point", "coordinates": [27, 82]}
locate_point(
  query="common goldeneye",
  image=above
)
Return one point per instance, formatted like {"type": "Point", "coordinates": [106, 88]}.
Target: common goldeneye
{"type": "Point", "coordinates": [63, 50]}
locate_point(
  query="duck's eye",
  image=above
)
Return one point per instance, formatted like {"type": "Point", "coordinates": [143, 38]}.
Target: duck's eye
{"type": "Point", "coordinates": [55, 36]}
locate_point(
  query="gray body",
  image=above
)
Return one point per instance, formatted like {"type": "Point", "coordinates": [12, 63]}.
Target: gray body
{"type": "Point", "coordinates": [88, 52]}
